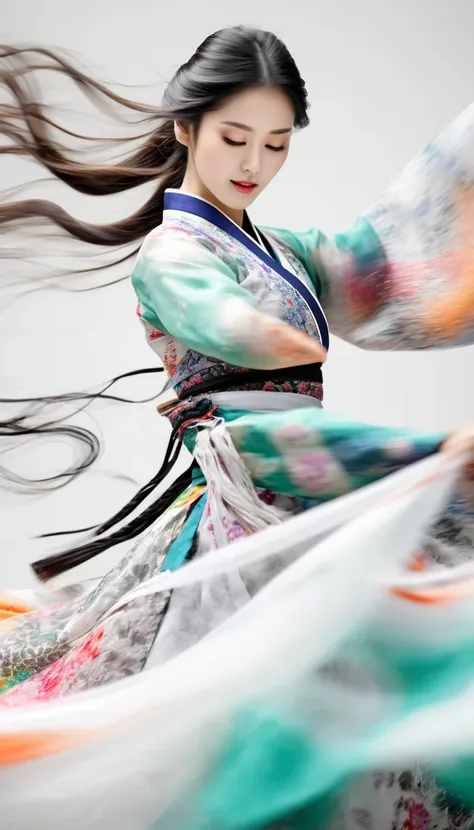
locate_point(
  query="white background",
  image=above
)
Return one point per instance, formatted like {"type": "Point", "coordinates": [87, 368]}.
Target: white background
{"type": "Point", "coordinates": [383, 77]}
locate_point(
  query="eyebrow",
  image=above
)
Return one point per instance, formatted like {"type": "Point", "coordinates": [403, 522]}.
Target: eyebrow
{"type": "Point", "coordinates": [249, 129]}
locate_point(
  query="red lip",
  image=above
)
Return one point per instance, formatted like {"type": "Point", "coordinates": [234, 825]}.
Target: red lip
{"type": "Point", "coordinates": [244, 187]}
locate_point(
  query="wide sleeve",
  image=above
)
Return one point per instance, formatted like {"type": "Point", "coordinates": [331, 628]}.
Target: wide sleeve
{"type": "Point", "coordinates": [318, 454]}
{"type": "Point", "coordinates": [403, 276]}
{"type": "Point", "coordinates": [189, 292]}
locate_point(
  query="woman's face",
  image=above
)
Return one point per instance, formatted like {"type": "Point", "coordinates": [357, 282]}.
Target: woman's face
{"type": "Point", "coordinates": [239, 149]}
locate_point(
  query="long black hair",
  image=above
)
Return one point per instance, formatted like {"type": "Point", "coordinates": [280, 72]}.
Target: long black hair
{"type": "Point", "coordinates": [227, 62]}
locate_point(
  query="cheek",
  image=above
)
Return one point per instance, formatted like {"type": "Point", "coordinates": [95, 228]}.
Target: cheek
{"type": "Point", "coordinates": [211, 156]}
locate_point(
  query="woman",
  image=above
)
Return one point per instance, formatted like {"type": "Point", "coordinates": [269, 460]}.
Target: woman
{"type": "Point", "coordinates": [240, 317]}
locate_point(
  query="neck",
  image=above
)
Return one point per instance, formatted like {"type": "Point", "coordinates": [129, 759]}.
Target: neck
{"type": "Point", "coordinates": [198, 189]}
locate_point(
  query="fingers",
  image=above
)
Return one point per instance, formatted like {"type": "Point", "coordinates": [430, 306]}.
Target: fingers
{"type": "Point", "coordinates": [270, 342]}
{"type": "Point", "coordinates": [294, 348]}
{"type": "Point", "coordinates": [460, 442]}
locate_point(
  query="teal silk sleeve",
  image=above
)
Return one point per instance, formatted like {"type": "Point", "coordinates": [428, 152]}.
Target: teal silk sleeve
{"type": "Point", "coordinates": [320, 455]}
{"type": "Point", "coordinates": [349, 275]}
{"type": "Point", "coordinates": [193, 295]}
{"type": "Point", "coordinates": [186, 291]}
{"type": "Point", "coordinates": [403, 276]}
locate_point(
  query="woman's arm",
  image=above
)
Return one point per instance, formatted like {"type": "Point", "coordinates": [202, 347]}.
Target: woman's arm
{"type": "Point", "coordinates": [187, 291]}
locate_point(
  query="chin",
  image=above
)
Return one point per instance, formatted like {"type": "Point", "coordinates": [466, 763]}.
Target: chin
{"type": "Point", "coordinates": [240, 201]}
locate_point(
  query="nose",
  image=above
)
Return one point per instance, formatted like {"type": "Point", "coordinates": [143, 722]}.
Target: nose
{"type": "Point", "coordinates": [251, 163]}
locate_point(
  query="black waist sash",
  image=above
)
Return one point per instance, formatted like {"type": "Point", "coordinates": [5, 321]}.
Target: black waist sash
{"type": "Point", "coordinates": [312, 373]}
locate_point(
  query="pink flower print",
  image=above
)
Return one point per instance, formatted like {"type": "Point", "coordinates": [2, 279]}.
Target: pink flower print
{"type": "Point", "coordinates": [418, 817]}
{"type": "Point", "coordinates": [170, 358]}
{"type": "Point", "coordinates": [315, 471]}
{"type": "Point", "coordinates": [53, 681]}
{"type": "Point", "coordinates": [293, 435]}
{"type": "Point", "coordinates": [156, 334]}
{"type": "Point", "coordinates": [233, 530]}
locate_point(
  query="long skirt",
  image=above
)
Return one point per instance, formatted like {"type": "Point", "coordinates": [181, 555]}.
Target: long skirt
{"type": "Point", "coordinates": [289, 644]}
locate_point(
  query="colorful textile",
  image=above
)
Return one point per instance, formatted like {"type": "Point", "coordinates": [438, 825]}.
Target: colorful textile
{"type": "Point", "coordinates": [290, 644]}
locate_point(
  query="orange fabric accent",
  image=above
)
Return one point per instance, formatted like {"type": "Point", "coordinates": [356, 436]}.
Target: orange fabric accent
{"type": "Point", "coordinates": [10, 606]}
{"type": "Point", "coordinates": [16, 749]}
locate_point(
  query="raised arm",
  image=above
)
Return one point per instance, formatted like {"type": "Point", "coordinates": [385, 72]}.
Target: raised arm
{"type": "Point", "coordinates": [403, 276]}
{"type": "Point", "coordinates": [188, 292]}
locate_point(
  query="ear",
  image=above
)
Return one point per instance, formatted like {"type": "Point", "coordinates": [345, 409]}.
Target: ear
{"type": "Point", "coordinates": [181, 132]}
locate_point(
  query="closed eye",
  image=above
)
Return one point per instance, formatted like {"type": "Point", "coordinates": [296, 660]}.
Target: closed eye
{"type": "Point", "coordinates": [234, 143]}
{"type": "Point", "coordinates": [242, 144]}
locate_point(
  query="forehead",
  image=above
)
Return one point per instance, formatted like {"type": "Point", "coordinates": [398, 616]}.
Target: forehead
{"type": "Point", "coordinates": [261, 109]}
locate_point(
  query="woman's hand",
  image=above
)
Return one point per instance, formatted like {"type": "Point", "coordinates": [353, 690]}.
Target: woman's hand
{"type": "Point", "coordinates": [459, 443]}
{"type": "Point", "coordinates": [291, 347]}
{"type": "Point", "coordinates": [270, 342]}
